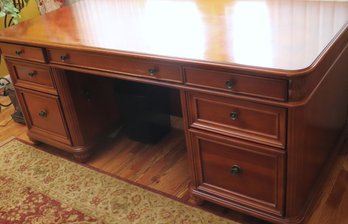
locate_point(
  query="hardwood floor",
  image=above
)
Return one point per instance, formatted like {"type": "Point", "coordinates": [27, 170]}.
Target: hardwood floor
{"type": "Point", "coordinates": [163, 167]}
{"type": "Point", "coordinates": [9, 128]}
{"type": "Point", "coordinates": [332, 206]}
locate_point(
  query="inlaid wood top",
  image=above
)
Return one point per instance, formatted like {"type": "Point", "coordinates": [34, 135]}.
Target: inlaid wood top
{"type": "Point", "coordinates": [288, 35]}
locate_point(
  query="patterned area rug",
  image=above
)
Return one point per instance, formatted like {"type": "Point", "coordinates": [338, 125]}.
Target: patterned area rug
{"type": "Point", "coordinates": [37, 187]}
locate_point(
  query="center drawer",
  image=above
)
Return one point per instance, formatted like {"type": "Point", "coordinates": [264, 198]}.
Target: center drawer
{"type": "Point", "coordinates": [237, 118]}
{"type": "Point", "coordinates": [126, 65]}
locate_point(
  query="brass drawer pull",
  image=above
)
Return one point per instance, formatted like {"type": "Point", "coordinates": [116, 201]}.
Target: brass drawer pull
{"type": "Point", "coordinates": [43, 113]}
{"type": "Point", "coordinates": [229, 84]}
{"type": "Point", "coordinates": [234, 115]}
{"type": "Point", "coordinates": [236, 170]}
{"type": "Point", "coordinates": [153, 71]}
{"type": "Point", "coordinates": [32, 74]}
{"type": "Point", "coordinates": [19, 52]}
{"type": "Point", "coordinates": [64, 57]}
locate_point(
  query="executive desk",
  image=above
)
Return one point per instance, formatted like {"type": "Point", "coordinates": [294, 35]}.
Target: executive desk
{"type": "Point", "coordinates": [263, 88]}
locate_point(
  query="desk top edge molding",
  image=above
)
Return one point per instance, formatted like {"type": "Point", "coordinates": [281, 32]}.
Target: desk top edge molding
{"type": "Point", "coordinates": [84, 41]}
{"type": "Point", "coordinates": [339, 39]}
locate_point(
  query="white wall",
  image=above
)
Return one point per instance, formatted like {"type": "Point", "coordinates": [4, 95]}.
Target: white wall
{"type": "Point", "coordinates": [67, 2]}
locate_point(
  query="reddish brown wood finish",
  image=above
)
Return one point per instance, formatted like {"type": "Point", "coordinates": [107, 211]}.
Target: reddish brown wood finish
{"type": "Point", "coordinates": [24, 52]}
{"type": "Point", "coordinates": [87, 103]}
{"type": "Point", "coordinates": [252, 121]}
{"type": "Point", "coordinates": [260, 183]}
{"type": "Point", "coordinates": [94, 103]}
{"type": "Point", "coordinates": [32, 76]}
{"type": "Point", "coordinates": [314, 127]}
{"type": "Point", "coordinates": [301, 87]}
{"type": "Point", "coordinates": [282, 37]}
{"type": "Point", "coordinates": [275, 89]}
{"type": "Point", "coordinates": [290, 86]}
{"type": "Point", "coordinates": [130, 66]}
{"type": "Point", "coordinates": [44, 115]}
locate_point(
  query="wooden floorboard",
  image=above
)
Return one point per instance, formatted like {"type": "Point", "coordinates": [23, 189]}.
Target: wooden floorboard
{"type": "Point", "coordinates": [9, 128]}
{"type": "Point", "coordinates": [332, 206]}
{"type": "Point", "coordinates": [164, 167]}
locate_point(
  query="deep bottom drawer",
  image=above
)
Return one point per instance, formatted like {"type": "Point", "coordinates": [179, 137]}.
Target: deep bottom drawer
{"type": "Point", "coordinates": [239, 171]}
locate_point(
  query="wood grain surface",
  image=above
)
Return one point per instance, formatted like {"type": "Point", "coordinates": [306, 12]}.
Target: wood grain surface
{"type": "Point", "coordinates": [275, 34]}
{"type": "Point", "coordinates": [270, 73]}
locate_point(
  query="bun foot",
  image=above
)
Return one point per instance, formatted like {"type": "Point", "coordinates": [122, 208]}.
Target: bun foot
{"type": "Point", "coordinates": [196, 200]}
{"type": "Point", "coordinates": [82, 157]}
{"type": "Point", "coordinates": [34, 141]}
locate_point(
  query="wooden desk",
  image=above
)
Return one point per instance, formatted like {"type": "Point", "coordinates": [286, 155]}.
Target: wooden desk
{"type": "Point", "coordinates": [263, 88]}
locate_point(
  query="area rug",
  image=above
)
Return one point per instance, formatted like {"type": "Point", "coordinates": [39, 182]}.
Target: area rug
{"type": "Point", "coordinates": [38, 187]}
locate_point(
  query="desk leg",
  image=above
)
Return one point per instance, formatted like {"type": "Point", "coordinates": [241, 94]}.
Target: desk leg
{"type": "Point", "coordinates": [196, 200]}
{"type": "Point", "coordinates": [82, 157]}
{"type": "Point", "coordinates": [34, 141]}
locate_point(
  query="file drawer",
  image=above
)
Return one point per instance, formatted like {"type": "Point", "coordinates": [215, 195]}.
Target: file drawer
{"type": "Point", "coordinates": [237, 171]}
{"type": "Point", "coordinates": [44, 115]}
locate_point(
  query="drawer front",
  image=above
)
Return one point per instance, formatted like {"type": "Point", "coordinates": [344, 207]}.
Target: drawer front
{"type": "Point", "coordinates": [32, 76]}
{"type": "Point", "coordinates": [275, 89]}
{"type": "Point", "coordinates": [141, 68]}
{"type": "Point", "coordinates": [239, 172]}
{"type": "Point", "coordinates": [24, 52]}
{"type": "Point", "coordinates": [237, 118]}
{"type": "Point", "coordinates": [44, 115]}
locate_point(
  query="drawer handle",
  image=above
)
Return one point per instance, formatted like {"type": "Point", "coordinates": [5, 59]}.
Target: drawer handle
{"type": "Point", "coordinates": [229, 84]}
{"type": "Point", "coordinates": [236, 170]}
{"type": "Point", "coordinates": [19, 52]}
{"type": "Point", "coordinates": [43, 113]}
{"type": "Point", "coordinates": [234, 115]}
{"type": "Point", "coordinates": [64, 57]}
{"type": "Point", "coordinates": [32, 74]}
{"type": "Point", "coordinates": [153, 71]}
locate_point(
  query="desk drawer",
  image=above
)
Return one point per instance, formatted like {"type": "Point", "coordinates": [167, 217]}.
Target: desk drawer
{"type": "Point", "coordinates": [275, 89]}
{"type": "Point", "coordinates": [129, 66]}
{"type": "Point", "coordinates": [32, 76]}
{"type": "Point", "coordinates": [44, 115]}
{"type": "Point", "coordinates": [238, 171]}
{"type": "Point", "coordinates": [237, 118]}
{"type": "Point", "coordinates": [22, 51]}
